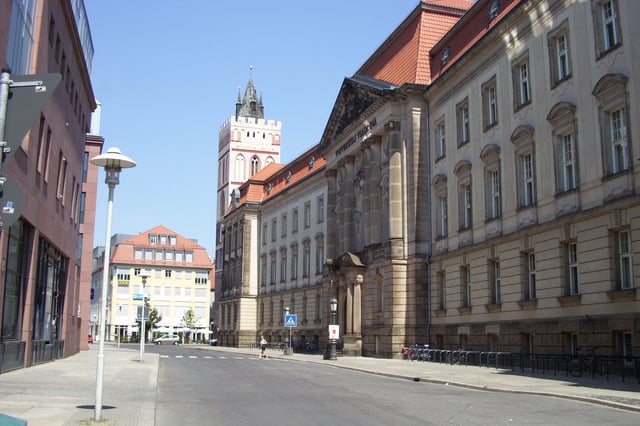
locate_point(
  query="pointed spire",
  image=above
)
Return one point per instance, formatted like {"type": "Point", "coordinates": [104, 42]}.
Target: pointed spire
{"type": "Point", "coordinates": [250, 106]}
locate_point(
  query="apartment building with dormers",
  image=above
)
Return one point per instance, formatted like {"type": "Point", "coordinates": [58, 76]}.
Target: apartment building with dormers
{"type": "Point", "coordinates": [179, 269]}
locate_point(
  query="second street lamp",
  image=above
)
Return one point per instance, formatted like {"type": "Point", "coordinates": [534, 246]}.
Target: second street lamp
{"type": "Point", "coordinates": [333, 305]}
{"type": "Point", "coordinates": [144, 275]}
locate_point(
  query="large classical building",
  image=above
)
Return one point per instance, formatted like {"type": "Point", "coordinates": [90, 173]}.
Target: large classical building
{"type": "Point", "coordinates": [178, 274]}
{"type": "Point", "coordinates": [44, 299]}
{"type": "Point", "coordinates": [480, 189]}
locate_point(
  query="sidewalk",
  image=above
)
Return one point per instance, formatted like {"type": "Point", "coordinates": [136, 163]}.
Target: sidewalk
{"type": "Point", "coordinates": [62, 392]}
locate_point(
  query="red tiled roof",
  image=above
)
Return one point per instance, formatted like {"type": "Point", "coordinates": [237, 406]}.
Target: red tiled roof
{"type": "Point", "coordinates": [404, 56]}
{"type": "Point", "coordinates": [466, 33]}
{"type": "Point", "coordinates": [124, 252]}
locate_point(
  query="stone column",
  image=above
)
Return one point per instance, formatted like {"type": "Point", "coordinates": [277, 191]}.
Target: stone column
{"type": "Point", "coordinates": [330, 242]}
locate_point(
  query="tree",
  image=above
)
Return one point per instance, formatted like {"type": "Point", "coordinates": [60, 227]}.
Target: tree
{"type": "Point", "coordinates": [189, 319]}
{"type": "Point", "coordinates": [154, 318]}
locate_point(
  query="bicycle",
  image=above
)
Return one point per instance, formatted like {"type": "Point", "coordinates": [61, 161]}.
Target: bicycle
{"type": "Point", "coordinates": [586, 361]}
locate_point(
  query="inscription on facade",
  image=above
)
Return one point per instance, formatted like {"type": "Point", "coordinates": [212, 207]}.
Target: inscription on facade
{"type": "Point", "coordinates": [357, 136]}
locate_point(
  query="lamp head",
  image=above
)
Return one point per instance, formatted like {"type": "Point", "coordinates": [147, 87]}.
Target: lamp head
{"type": "Point", "coordinates": [333, 304]}
{"type": "Point", "coordinates": [113, 162]}
{"type": "Point", "coordinates": [144, 275]}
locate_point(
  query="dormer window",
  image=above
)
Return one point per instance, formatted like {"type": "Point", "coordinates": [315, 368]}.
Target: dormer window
{"type": "Point", "coordinates": [288, 177]}
{"type": "Point", "coordinates": [444, 56]}
{"type": "Point", "coordinates": [269, 188]}
{"type": "Point", "coordinates": [494, 8]}
{"type": "Point", "coordinates": [312, 161]}
{"type": "Point", "coordinates": [153, 239]}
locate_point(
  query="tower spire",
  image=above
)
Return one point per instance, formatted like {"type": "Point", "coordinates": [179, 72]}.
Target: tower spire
{"type": "Point", "coordinates": [251, 105]}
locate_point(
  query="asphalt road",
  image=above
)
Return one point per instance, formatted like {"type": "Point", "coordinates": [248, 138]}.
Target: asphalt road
{"type": "Point", "coordinates": [198, 387]}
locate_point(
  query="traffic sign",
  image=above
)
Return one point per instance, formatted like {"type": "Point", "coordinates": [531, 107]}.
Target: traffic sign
{"type": "Point", "coordinates": [12, 201]}
{"type": "Point", "coordinates": [27, 96]}
{"type": "Point", "coordinates": [291, 320]}
{"type": "Point", "coordinates": [140, 296]}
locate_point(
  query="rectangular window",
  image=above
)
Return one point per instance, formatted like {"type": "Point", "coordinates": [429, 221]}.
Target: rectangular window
{"type": "Point", "coordinates": [273, 268]}
{"type": "Point", "coordinates": [464, 132]}
{"type": "Point", "coordinates": [442, 216]}
{"type": "Point", "coordinates": [306, 261]}
{"type": "Point", "coordinates": [153, 239]}
{"type": "Point", "coordinates": [283, 265]}
{"type": "Point", "coordinates": [264, 234]}
{"type": "Point", "coordinates": [466, 286]}
{"type": "Point", "coordinates": [625, 260]}
{"type": "Point", "coordinates": [618, 140]}
{"type": "Point", "coordinates": [496, 297]}
{"type": "Point", "coordinates": [21, 36]}
{"type": "Point", "coordinates": [443, 290]}
{"type": "Point", "coordinates": [167, 273]}
{"type": "Point", "coordinates": [568, 173]}
{"type": "Point", "coordinates": [521, 82]}
{"type": "Point", "coordinates": [284, 225]}
{"type": "Point", "coordinates": [606, 26]}
{"type": "Point", "coordinates": [274, 229]}
{"type": "Point", "coordinates": [294, 263]}
{"type": "Point", "coordinates": [62, 177]}
{"type": "Point", "coordinates": [493, 194]}
{"type": "Point", "coordinates": [307, 214]}
{"type": "Point", "coordinates": [531, 276]}
{"type": "Point", "coordinates": [465, 206]}
{"type": "Point", "coordinates": [440, 140]}
{"type": "Point", "coordinates": [527, 180]}
{"type": "Point", "coordinates": [489, 104]}
{"type": "Point", "coordinates": [560, 55]}
{"type": "Point", "coordinates": [294, 223]}
{"type": "Point", "coordinates": [320, 209]}
{"type": "Point", "coordinates": [572, 258]}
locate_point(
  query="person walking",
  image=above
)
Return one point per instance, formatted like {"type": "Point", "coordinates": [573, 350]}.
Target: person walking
{"type": "Point", "coordinates": [263, 348]}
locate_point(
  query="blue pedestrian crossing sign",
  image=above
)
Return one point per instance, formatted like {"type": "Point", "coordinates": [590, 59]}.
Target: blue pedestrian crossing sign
{"type": "Point", "coordinates": [291, 320]}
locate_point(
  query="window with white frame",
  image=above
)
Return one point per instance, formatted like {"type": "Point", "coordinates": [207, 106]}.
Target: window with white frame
{"type": "Point", "coordinates": [264, 234]}
{"type": "Point", "coordinates": [559, 54]}
{"type": "Point", "coordinates": [273, 269]}
{"type": "Point", "coordinates": [463, 125]}
{"type": "Point", "coordinates": [138, 253]}
{"type": "Point", "coordinates": [496, 290]}
{"type": "Point", "coordinates": [274, 229]}
{"type": "Point", "coordinates": [284, 225]}
{"type": "Point", "coordinates": [294, 221]}
{"type": "Point", "coordinates": [611, 94]}
{"type": "Point", "coordinates": [572, 268]}
{"type": "Point", "coordinates": [530, 263]}
{"type": "Point", "coordinates": [465, 207]}
{"type": "Point", "coordinates": [465, 283]}
{"type": "Point", "coordinates": [442, 279]}
{"type": "Point", "coordinates": [294, 261]}
{"type": "Point", "coordinates": [490, 156]}
{"type": "Point", "coordinates": [439, 184]}
{"type": "Point", "coordinates": [173, 240]}
{"type": "Point", "coordinates": [440, 141]}
{"type": "Point", "coordinates": [522, 138]}
{"type": "Point", "coordinates": [606, 24]}
{"type": "Point", "coordinates": [153, 239]}
{"type": "Point", "coordinates": [255, 166]}
{"type": "Point", "coordinates": [562, 118]}
{"type": "Point", "coordinates": [521, 81]}
{"type": "Point", "coordinates": [490, 103]}
{"type": "Point", "coordinates": [306, 258]}
{"type": "Point", "coordinates": [625, 260]}
{"type": "Point", "coordinates": [320, 209]}
{"type": "Point", "coordinates": [319, 254]}
{"type": "Point", "coordinates": [283, 264]}
{"type": "Point", "coordinates": [307, 214]}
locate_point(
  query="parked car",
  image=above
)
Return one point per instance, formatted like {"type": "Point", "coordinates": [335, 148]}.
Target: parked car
{"type": "Point", "coordinates": [90, 339]}
{"type": "Point", "coordinates": [167, 338]}
{"type": "Point", "coordinates": [213, 342]}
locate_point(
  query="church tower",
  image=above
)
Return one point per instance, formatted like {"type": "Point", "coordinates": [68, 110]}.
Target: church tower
{"type": "Point", "coordinates": [247, 143]}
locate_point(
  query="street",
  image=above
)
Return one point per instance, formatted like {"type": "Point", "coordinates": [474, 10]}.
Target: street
{"type": "Point", "coordinates": [198, 387]}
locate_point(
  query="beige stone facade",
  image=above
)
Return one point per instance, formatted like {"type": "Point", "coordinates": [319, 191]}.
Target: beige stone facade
{"type": "Point", "coordinates": [535, 183]}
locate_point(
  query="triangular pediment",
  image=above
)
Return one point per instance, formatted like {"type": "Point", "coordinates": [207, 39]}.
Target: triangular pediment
{"type": "Point", "coordinates": [357, 94]}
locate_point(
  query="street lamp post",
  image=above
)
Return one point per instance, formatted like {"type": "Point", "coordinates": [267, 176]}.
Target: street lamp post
{"type": "Point", "coordinates": [113, 162]}
{"type": "Point", "coordinates": [333, 305]}
{"type": "Point", "coordinates": [144, 275]}
{"type": "Point", "coordinates": [286, 337]}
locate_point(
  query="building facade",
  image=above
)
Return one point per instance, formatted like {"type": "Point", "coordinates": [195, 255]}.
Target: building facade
{"type": "Point", "coordinates": [534, 178]}
{"type": "Point", "coordinates": [178, 270]}
{"type": "Point", "coordinates": [43, 299]}
{"type": "Point", "coordinates": [481, 189]}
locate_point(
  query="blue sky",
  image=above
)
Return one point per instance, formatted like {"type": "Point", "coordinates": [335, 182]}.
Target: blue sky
{"type": "Point", "coordinates": [167, 75]}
